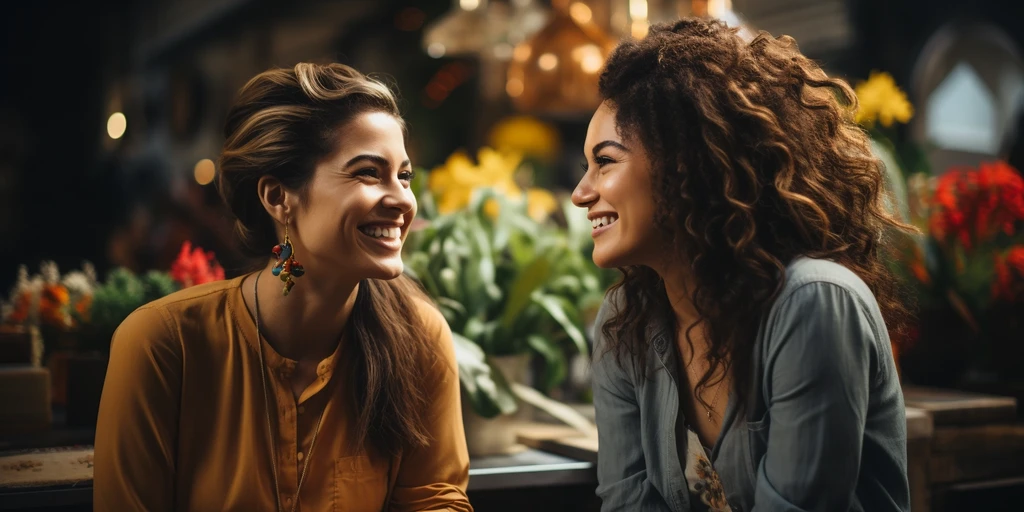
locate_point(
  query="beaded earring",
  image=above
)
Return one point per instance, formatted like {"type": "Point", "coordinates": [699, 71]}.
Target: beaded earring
{"type": "Point", "coordinates": [287, 268]}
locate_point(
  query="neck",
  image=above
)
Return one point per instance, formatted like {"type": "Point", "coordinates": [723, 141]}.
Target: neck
{"type": "Point", "coordinates": [307, 324]}
{"type": "Point", "coordinates": [679, 287]}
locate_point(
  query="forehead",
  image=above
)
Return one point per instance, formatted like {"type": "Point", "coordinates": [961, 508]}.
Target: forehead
{"type": "Point", "coordinates": [602, 125]}
{"type": "Point", "coordinates": [371, 131]}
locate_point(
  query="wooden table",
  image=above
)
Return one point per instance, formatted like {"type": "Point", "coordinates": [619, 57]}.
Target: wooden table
{"type": "Point", "coordinates": [975, 459]}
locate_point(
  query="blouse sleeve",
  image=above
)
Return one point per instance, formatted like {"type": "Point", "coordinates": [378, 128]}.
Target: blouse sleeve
{"type": "Point", "coordinates": [435, 477]}
{"type": "Point", "coordinates": [623, 482]}
{"type": "Point", "coordinates": [134, 461]}
{"type": "Point", "coordinates": [818, 378]}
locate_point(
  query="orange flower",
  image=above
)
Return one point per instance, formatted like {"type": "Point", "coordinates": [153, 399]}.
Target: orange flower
{"type": "Point", "coordinates": [53, 303]}
{"type": "Point", "coordinates": [22, 307]}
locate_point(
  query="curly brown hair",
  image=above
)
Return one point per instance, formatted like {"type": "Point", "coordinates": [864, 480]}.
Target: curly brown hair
{"type": "Point", "coordinates": [755, 161]}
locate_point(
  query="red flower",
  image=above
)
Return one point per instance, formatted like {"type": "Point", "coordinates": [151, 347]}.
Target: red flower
{"type": "Point", "coordinates": [1009, 274]}
{"type": "Point", "coordinates": [194, 267]}
{"type": "Point", "coordinates": [972, 206]}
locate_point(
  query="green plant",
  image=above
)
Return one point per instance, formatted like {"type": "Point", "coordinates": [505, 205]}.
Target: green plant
{"type": "Point", "coordinates": [114, 300]}
{"type": "Point", "coordinates": [507, 284]}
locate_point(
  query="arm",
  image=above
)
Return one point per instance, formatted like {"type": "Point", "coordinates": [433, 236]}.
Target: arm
{"type": "Point", "coordinates": [137, 427]}
{"type": "Point", "coordinates": [434, 477]}
{"type": "Point", "coordinates": [817, 380]}
{"type": "Point", "coordinates": [621, 468]}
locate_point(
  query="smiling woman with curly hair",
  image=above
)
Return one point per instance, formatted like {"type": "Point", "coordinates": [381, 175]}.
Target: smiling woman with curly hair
{"type": "Point", "coordinates": [743, 362]}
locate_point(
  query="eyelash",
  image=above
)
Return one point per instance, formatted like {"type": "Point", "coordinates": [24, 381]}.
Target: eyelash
{"type": "Point", "coordinates": [601, 161]}
{"type": "Point", "coordinates": [370, 171]}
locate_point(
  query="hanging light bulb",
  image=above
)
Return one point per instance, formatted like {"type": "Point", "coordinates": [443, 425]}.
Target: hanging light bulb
{"type": "Point", "coordinates": [526, 19]}
{"type": "Point", "coordinates": [463, 30]}
{"type": "Point", "coordinates": [556, 70]}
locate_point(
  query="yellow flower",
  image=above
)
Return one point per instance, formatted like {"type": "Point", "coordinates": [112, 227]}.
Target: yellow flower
{"type": "Point", "coordinates": [881, 100]}
{"type": "Point", "coordinates": [454, 182]}
{"type": "Point", "coordinates": [540, 203]}
{"type": "Point", "coordinates": [526, 135]}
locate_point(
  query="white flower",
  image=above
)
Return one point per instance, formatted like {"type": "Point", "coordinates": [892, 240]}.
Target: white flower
{"type": "Point", "coordinates": [78, 283]}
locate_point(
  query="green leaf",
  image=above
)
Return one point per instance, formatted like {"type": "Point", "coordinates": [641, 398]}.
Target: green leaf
{"type": "Point", "coordinates": [555, 365]}
{"type": "Point", "coordinates": [484, 386]}
{"type": "Point", "coordinates": [531, 278]}
{"type": "Point", "coordinates": [560, 310]}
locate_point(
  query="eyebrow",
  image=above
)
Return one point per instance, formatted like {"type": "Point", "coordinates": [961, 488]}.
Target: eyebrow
{"type": "Point", "coordinates": [377, 159]}
{"type": "Point", "coordinates": [608, 143]}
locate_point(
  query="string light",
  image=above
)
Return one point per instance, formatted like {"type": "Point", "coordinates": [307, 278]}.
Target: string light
{"type": "Point", "coordinates": [117, 124]}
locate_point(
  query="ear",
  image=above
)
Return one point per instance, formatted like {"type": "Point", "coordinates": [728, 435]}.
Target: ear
{"type": "Point", "coordinates": [277, 199]}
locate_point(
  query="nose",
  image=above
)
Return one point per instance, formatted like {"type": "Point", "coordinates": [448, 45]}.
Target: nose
{"type": "Point", "coordinates": [584, 194]}
{"type": "Point", "coordinates": [399, 198]}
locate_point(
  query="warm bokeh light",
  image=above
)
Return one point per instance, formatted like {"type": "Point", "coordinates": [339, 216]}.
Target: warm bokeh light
{"type": "Point", "coordinates": [204, 171]}
{"type": "Point", "coordinates": [503, 51]}
{"type": "Point", "coordinates": [638, 9]}
{"type": "Point", "coordinates": [117, 125]}
{"type": "Point", "coordinates": [547, 62]}
{"type": "Point", "coordinates": [469, 5]}
{"type": "Point", "coordinates": [580, 13]}
{"type": "Point", "coordinates": [522, 52]}
{"type": "Point", "coordinates": [639, 29]}
{"type": "Point", "coordinates": [514, 87]}
{"type": "Point", "coordinates": [436, 50]}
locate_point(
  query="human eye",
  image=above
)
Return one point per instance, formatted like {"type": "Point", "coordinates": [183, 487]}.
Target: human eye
{"type": "Point", "coordinates": [368, 172]}
{"type": "Point", "coordinates": [406, 175]}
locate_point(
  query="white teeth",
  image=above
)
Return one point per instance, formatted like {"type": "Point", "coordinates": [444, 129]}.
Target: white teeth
{"type": "Point", "coordinates": [602, 221]}
{"type": "Point", "coordinates": [381, 232]}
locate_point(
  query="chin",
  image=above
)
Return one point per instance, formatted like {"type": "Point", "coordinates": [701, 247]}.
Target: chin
{"type": "Point", "coordinates": [387, 271]}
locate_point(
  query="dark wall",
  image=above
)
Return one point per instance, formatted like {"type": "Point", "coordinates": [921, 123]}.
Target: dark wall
{"type": "Point", "coordinates": [891, 33]}
{"type": "Point", "coordinates": [56, 195]}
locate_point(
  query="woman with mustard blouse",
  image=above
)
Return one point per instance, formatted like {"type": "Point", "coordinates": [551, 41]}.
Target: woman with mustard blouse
{"type": "Point", "coordinates": [325, 384]}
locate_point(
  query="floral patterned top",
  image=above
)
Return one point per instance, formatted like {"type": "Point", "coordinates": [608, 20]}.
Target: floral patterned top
{"type": "Point", "coordinates": [706, 492]}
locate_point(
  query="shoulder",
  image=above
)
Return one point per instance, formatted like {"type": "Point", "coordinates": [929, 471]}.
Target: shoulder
{"type": "Point", "coordinates": [822, 297]}
{"type": "Point", "coordinates": [437, 335]}
{"type": "Point", "coordinates": [196, 298]}
{"type": "Point", "coordinates": [163, 321]}
{"type": "Point", "coordinates": [805, 275]}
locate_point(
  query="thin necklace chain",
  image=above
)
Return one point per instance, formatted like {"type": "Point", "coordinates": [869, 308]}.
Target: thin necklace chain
{"type": "Point", "coordinates": [266, 400]}
{"type": "Point", "coordinates": [714, 400]}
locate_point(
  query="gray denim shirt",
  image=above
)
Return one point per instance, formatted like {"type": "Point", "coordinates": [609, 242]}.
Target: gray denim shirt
{"type": "Point", "coordinates": [826, 425]}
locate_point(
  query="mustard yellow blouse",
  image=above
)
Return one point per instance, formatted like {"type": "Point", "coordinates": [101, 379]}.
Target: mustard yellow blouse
{"type": "Point", "coordinates": [182, 422]}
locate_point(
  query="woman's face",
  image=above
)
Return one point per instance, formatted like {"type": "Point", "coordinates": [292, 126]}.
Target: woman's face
{"type": "Point", "coordinates": [357, 209]}
{"type": "Point", "coordinates": [616, 191]}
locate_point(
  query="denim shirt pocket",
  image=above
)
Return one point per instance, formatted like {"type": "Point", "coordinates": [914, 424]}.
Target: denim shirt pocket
{"type": "Point", "coordinates": [757, 444]}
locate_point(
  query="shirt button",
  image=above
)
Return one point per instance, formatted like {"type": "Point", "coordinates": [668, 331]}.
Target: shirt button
{"type": "Point", "coordinates": [300, 456]}
{"type": "Point", "coordinates": [302, 409]}
{"type": "Point", "coordinates": [288, 501]}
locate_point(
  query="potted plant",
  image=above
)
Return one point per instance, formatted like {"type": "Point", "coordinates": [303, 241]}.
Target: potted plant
{"type": "Point", "coordinates": [511, 282]}
{"type": "Point", "coordinates": [967, 274]}
{"type": "Point", "coordinates": [46, 305]}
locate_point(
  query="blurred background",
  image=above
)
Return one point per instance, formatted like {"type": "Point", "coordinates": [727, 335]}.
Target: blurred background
{"type": "Point", "coordinates": [107, 108]}
{"type": "Point", "coordinates": [111, 117]}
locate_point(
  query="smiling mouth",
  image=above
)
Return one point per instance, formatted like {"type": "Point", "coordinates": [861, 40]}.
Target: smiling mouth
{"type": "Point", "coordinates": [381, 233]}
{"type": "Point", "coordinates": [602, 222]}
